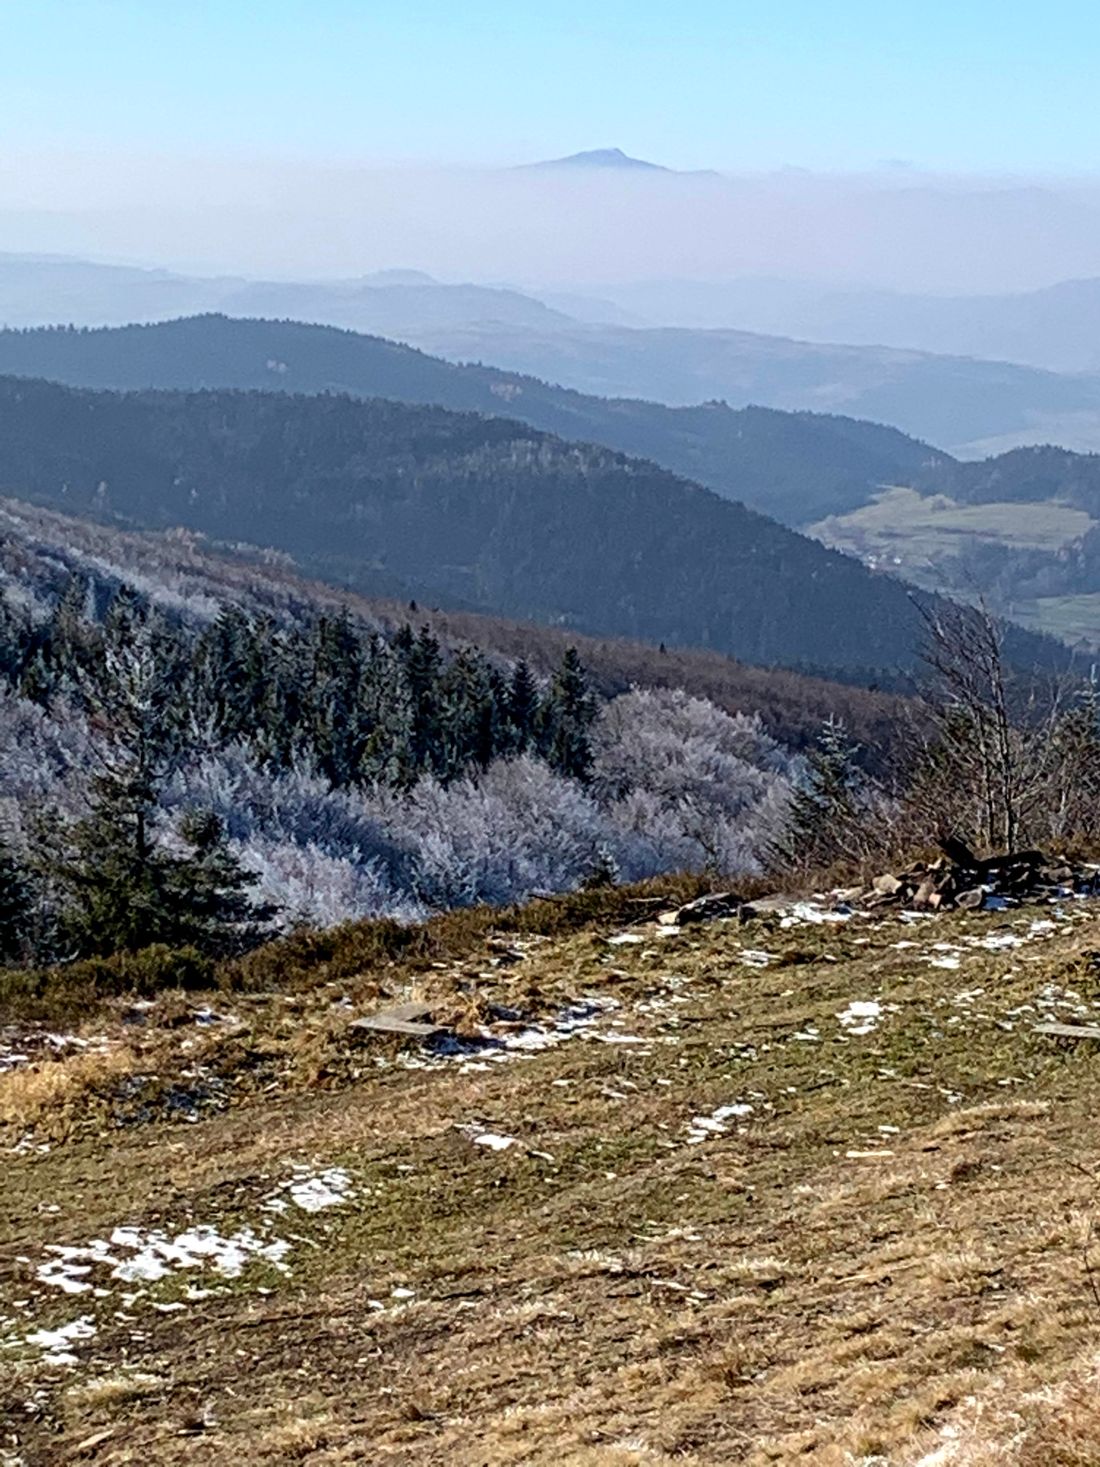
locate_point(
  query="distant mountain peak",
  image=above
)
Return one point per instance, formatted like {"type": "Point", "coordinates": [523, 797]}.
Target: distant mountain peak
{"type": "Point", "coordinates": [601, 158]}
{"type": "Point", "coordinates": [398, 277]}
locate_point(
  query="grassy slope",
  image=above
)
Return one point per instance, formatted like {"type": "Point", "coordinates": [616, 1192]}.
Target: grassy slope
{"type": "Point", "coordinates": [927, 528]}
{"type": "Point", "coordinates": [810, 1284]}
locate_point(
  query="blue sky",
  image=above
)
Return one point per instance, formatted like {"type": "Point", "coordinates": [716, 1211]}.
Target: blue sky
{"type": "Point", "coordinates": [970, 85]}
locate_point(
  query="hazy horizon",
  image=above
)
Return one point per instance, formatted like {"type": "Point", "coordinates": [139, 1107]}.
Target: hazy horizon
{"type": "Point", "coordinates": [948, 150]}
{"type": "Point", "coordinates": [896, 229]}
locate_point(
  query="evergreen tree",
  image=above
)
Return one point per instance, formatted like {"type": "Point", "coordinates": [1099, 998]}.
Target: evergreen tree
{"type": "Point", "coordinates": [567, 718]}
{"type": "Point", "coordinates": [523, 707]}
{"type": "Point", "coordinates": [219, 672]}
{"type": "Point", "coordinates": [423, 666]}
{"type": "Point", "coordinates": [825, 815]}
{"type": "Point", "coordinates": [386, 721]}
{"type": "Point", "coordinates": [208, 890]}
{"type": "Point", "coordinates": [16, 907]}
{"type": "Point", "coordinates": [119, 888]}
{"type": "Point", "coordinates": [108, 872]}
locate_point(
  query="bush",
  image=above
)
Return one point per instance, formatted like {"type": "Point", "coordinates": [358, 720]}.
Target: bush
{"type": "Point", "coordinates": [68, 990]}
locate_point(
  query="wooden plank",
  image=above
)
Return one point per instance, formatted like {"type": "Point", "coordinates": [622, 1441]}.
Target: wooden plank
{"type": "Point", "coordinates": [411, 1020]}
{"type": "Point", "coordinates": [1069, 1031]}
{"type": "Point", "coordinates": [414, 1013]}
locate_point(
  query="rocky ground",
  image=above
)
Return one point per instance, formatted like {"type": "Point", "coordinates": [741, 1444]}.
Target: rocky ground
{"type": "Point", "coordinates": [806, 1187]}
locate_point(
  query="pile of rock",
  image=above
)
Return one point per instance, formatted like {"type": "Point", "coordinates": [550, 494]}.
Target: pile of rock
{"type": "Point", "coordinates": [959, 879]}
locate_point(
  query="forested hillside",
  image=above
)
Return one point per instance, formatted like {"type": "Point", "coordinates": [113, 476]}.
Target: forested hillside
{"type": "Point", "coordinates": [468, 511]}
{"type": "Point", "coordinates": [192, 756]}
{"type": "Point", "coordinates": [1045, 475]}
{"type": "Point", "coordinates": [796, 467]}
{"type": "Point", "coordinates": [188, 575]}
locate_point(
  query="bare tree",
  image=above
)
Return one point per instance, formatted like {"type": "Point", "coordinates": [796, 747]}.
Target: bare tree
{"type": "Point", "coordinates": [991, 756]}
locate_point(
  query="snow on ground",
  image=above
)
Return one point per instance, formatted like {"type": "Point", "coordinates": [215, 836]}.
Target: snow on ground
{"type": "Point", "coordinates": [138, 1255]}
{"type": "Point", "coordinates": [492, 1140]}
{"type": "Point", "coordinates": [861, 1016]}
{"type": "Point", "coordinates": [716, 1124]}
{"type": "Point", "coordinates": [812, 914]}
{"type": "Point", "coordinates": [141, 1257]}
{"type": "Point", "coordinates": [312, 1191]}
{"type": "Point", "coordinates": [513, 1040]}
{"type": "Point", "coordinates": [56, 1344]}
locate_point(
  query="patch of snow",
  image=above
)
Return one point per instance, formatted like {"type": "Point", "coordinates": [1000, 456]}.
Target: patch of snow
{"type": "Point", "coordinates": [134, 1255]}
{"type": "Point", "coordinates": [803, 913]}
{"type": "Point", "coordinates": [56, 1344]}
{"type": "Point", "coordinates": [704, 1127]}
{"type": "Point", "coordinates": [493, 1140]}
{"type": "Point", "coordinates": [312, 1191]}
{"type": "Point", "coordinates": [997, 941]}
{"type": "Point", "coordinates": [862, 1016]}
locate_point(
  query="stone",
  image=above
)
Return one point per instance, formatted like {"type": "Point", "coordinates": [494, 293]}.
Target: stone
{"type": "Point", "coordinates": [887, 885]}
{"type": "Point", "coordinates": [848, 896]}
{"type": "Point", "coordinates": [1069, 1031]}
{"type": "Point", "coordinates": [922, 897]}
{"type": "Point", "coordinates": [771, 906]}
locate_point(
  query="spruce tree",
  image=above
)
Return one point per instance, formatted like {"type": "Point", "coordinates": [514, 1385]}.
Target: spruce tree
{"type": "Point", "coordinates": [119, 888]}
{"type": "Point", "coordinates": [568, 715]}
{"type": "Point", "coordinates": [208, 891]}
{"type": "Point", "coordinates": [825, 814]}
{"type": "Point", "coordinates": [16, 907]}
{"type": "Point", "coordinates": [523, 707]}
{"type": "Point", "coordinates": [423, 667]}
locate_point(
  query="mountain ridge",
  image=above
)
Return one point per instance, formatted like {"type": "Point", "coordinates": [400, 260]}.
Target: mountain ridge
{"type": "Point", "coordinates": [465, 510]}
{"type": "Point", "coordinates": [796, 467]}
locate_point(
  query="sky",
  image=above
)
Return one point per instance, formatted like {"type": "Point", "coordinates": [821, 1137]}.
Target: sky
{"type": "Point", "coordinates": [908, 144]}
{"type": "Point", "coordinates": [972, 85]}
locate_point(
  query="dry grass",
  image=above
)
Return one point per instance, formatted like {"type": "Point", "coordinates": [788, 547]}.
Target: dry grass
{"type": "Point", "coordinates": [48, 1097]}
{"type": "Point", "coordinates": [896, 1242]}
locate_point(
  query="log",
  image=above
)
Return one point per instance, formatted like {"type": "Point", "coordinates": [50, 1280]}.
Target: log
{"type": "Point", "coordinates": [1069, 1031]}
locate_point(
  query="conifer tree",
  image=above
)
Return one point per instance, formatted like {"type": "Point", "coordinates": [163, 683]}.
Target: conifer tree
{"type": "Point", "coordinates": [208, 890]}
{"type": "Point", "coordinates": [825, 815]}
{"type": "Point", "coordinates": [16, 907]}
{"type": "Point", "coordinates": [567, 720]}
{"type": "Point", "coordinates": [119, 888]}
{"type": "Point", "coordinates": [523, 707]}
{"type": "Point", "coordinates": [423, 665]}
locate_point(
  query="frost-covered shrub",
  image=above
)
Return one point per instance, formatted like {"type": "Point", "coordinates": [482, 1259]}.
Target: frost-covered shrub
{"type": "Point", "coordinates": [45, 757]}
{"type": "Point", "coordinates": [692, 785]}
{"type": "Point", "coordinates": [517, 829]}
{"type": "Point", "coordinates": [677, 784]}
{"type": "Point", "coordinates": [299, 807]}
{"type": "Point", "coordinates": [310, 886]}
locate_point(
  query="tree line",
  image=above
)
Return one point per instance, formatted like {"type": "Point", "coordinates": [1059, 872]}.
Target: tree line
{"type": "Point", "coordinates": [326, 694]}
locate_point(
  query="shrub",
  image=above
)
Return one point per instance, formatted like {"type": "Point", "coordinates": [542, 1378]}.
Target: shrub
{"type": "Point", "coordinates": [68, 990]}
